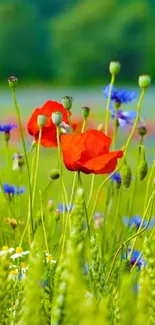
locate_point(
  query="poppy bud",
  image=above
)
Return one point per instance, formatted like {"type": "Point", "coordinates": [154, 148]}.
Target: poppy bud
{"type": "Point", "coordinates": [114, 67]}
{"type": "Point", "coordinates": [12, 82]}
{"type": "Point", "coordinates": [85, 111]}
{"type": "Point", "coordinates": [100, 128]}
{"type": "Point", "coordinates": [144, 81]}
{"type": "Point", "coordinates": [41, 120]}
{"type": "Point", "coordinates": [142, 170]}
{"type": "Point", "coordinates": [67, 102]}
{"type": "Point", "coordinates": [142, 130]}
{"type": "Point", "coordinates": [126, 176]}
{"type": "Point", "coordinates": [54, 174]}
{"type": "Point", "coordinates": [50, 205]}
{"type": "Point", "coordinates": [57, 118]}
{"type": "Point", "coordinates": [57, 215]}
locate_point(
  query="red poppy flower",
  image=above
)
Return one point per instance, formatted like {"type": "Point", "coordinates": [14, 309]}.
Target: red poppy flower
{"type": "Point", "coordinates": [48, 138]}
{"type": "Point", "coordinates": [89, 152]}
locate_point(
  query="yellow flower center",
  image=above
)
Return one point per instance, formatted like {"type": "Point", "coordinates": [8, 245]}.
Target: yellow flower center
{"type": "Point", "coordinates": [13, 272]}
{"type": "Point", "coordinates": [22, 265]}
{"type": "Point", "coordinates": [49, 258]}
{"type": "Point", "coordinates": [19, 250]}
{"type": "Point", "coordinates": [5, 248]}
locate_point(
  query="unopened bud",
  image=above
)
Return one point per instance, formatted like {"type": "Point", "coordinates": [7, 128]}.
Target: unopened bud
{"type": "Point", "coordinates": [144, 81]}
{"type": "Point", "coordinates": [142, 130]}
{"type": "Point", "coordinates": [54, 174]}
{"type": "Point", "coordinates": [114, 67]}
{"type": "Point", "coordinates": [142, 170]}
{"type": "Point", "coordinates": [67, 102]}
{"type": "Point", "coordinates": [7, 136]}
{"type": "Point", "coordinates": [85, 111]}
{"type": "Point", "coordinates": [12, 82]}
{"type": "Point", "coordinates": [80, 192]}
{"type": "Point", "coordinates": [126, 176]}
{"type": "Point", "coordinates": [100, 128]}
{"type": "Point", "coordinates": [41, 120]}
{"type": "Point", "coordinates": [57, 215]}
{"type": "Point", "coordinates": [57, 118]}
{"type": "Point", "coordinates": [50, 205]}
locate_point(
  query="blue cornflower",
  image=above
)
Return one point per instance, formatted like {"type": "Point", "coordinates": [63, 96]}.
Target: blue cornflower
{"type": "Point", "coordinates": [134, 257]}
{"type": "Point", "coordinates": [7, 127]}
{"type": "Point", "coordinates": [116, 178]}
{"type": "Point", "coordinates": [13, 190]}
{"type": "Point", "coordinates": [120, 96]}
{"type": "Point", "coordinates": [124, 117]}
{"type": "Point", "coordinates": [65, 208]}
{"type": "Point", "coordinates": [136, 221]}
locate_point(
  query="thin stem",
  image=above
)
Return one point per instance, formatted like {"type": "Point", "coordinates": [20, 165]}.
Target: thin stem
{"type": "Point", "coordinates": [134, 186]}
{"type": "Point", "coordinates": [30, 212]}
{"type": "Point", "coordinates": [139, 232]}
{"type": "Point", "coordinates": [149, 183]}
{"type": "Point", "coordinates": [86, 213]}
{"type": "Point", "coordinates": [125, 151]}
{"type": "Point", "coordinates": [7, 153]}
{"type": "Point", "coordinates": [116, 125]}
{"type": "Point", "coordinates": [64, 194]}
{"type": "Point", "coordinates": [108, 103]}
{"type": "Point", "coordinates": [42, 220]}
{"type": "Point", "coordinates": [117, 210]}
{"type": "Point", "coordinates": [69, 120]}
{"type": "Point", "coordinates": [91, 190]}
{"type": "Point", "coordinates": [36, 167]}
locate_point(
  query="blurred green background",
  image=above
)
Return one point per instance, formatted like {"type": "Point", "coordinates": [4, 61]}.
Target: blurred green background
{"type": "Point", "coordinates": [72, 41]}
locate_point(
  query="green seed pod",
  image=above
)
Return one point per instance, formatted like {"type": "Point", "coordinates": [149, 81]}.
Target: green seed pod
{"type": "Point", "coordinates": [54, 174]}
{"type": "Point", "coordinates": [126, 176]}
{"type": "Point", "coordinates": [12, 82]}
{"type": "Point", "coordinates": [57, 118]}
{"type": "Point", "coordinates": [67, 102]}
{"type": "Point", "coordinates": [41, 120]}
{"type": "Point", "coordinates": [142, 170]}
{"type": "Point", "coordinates": [85, 111]}
{"type": "Point", "coordinates": [144, 81]}
{"type": "Point", "coordinates": [114, 67]}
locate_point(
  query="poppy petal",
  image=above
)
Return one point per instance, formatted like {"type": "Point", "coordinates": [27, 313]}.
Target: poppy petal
{"type": "Point", "coordinates": [103, 164]}
{"type": "Point", "coordinates": [72, 148]}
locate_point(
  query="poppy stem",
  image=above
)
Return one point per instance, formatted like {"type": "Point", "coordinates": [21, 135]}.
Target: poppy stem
{"type": "Point", "coordinates": [42, 220]}
{"type": "Point", "coordinates": [125, 151]}
{"type": "Point", "coordinates": [33, 180]}
{"type": "Point", "coordinates": [134, 185]}
{"type": "Point", "coordinates": [116, 125]}
{"type": "Point", "coordinates": [70, 122]}
{"type": "Point", "coordinates": [64, 194]}
{"type": "Point", "coordinates": [30, 212]}
{"type": "Point", "coordinates": [108, 103]}
{"type": "Point", "coordinates": [86, 213]}
{"type": "Point", "coordinates": [139, 232]}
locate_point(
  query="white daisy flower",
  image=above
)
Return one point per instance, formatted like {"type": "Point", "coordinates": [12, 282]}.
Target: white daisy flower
{"type": "Point", "coordinates": [19, 253]}
{"type": "Point", "coordinates": [49, 258]}
{"type": "Point", "coordinates": [5, 250]}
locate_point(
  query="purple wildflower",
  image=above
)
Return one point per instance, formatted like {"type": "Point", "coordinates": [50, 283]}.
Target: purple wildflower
{"type": "Point", "coordinates": [13, 190]}
{"type": "Point", "coordinates": [7, 127]}
{"type": "Point", "coordinates": [65, 208]}
{"type": "Point", "coordinates": [134, 257]}
{"type": "Point", "coordinates": [120, 96]}
{"type": "Point", "coordinates": [136, 221]}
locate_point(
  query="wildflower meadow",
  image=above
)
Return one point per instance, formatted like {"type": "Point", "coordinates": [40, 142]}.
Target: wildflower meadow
{"type": "Point", "coordinates": [77, 229]}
